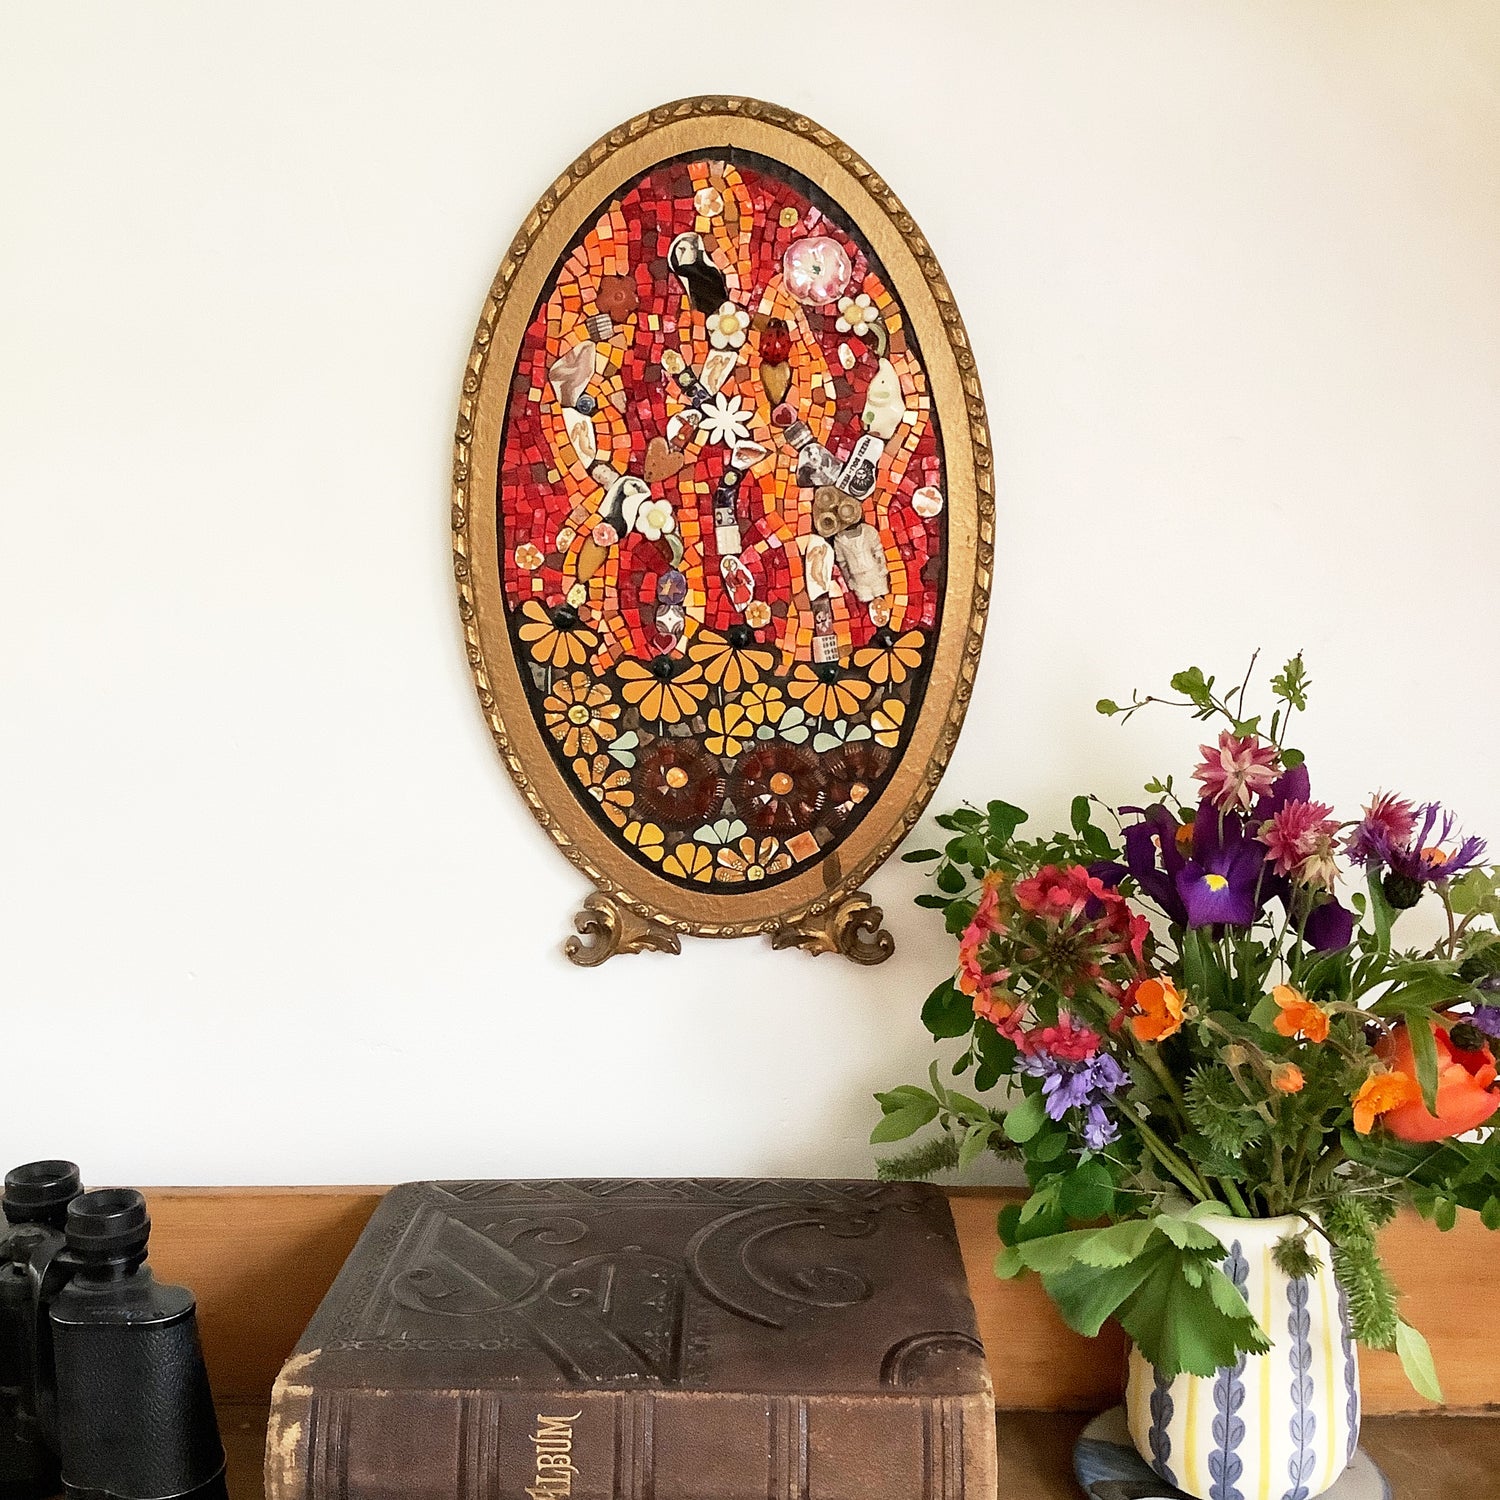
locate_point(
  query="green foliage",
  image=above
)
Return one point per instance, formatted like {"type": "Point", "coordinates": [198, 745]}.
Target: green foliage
{"type": "Point", "coordinates": [1158, 1276]}
{"type": "Point", "coordinates": [1350, 1226]}
{"type": "Point", "coordinates": [938, 1154]}
{"type": "Point", "coordinates": [1217, 1109]}
{"type": "Point", "coordinates": [1293, 1256]}
{"type": "Point", "coordinates": [1218, 1105]}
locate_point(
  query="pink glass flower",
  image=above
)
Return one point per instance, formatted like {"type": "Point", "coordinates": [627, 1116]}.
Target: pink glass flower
{"type": "Point", "coordinates": [816, 269]}
{"type": "Point", "coordinates": [1236, 771]}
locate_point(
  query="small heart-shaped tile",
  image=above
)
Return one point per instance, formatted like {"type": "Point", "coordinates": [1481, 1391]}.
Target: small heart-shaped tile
{"type": "Point", "coordinates": [661, 461]}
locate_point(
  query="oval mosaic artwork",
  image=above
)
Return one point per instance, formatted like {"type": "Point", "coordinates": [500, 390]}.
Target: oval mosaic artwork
{"type": "Point", "coordinates": [722, 516]}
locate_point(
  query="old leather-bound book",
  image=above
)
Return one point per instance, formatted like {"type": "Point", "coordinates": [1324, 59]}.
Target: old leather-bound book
{"type": "Point", "coordinates": [642, 1340]}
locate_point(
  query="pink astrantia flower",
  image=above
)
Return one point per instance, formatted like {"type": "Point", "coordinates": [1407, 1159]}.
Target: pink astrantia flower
{"type": "Point", "coordinates": [1299, 838]}
{"type": "Point", "coordinates": [1236, 771]}
{"type": "Point", "coordinates": [1388, 823]}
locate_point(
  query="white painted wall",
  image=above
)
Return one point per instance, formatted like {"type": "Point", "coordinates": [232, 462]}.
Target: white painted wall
{"type": "Point", "coordinates": [270, 911]}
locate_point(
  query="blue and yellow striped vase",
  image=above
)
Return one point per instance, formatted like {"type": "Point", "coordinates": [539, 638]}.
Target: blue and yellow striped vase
{"type": "Point", "coordinates": [1276, 1426]}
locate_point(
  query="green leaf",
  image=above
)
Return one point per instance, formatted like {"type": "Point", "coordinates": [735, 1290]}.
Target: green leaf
{"type": "Point", "coordinates": [1489, 1215]}
{"type": "Point", "coordinates": [947, 1012]}
{"type": "Point", "coordinates": [1023, 1122]}
{"type": "Point", "coordinates": [1445, 1214]}
{"type": "Point", "coordinates": [1416, 1360]}
{"type": "Point", "coordinates": [1008, 1263]}
{"type": "Point", "coordinates": [950, 879]}
{"type": "Point", "coordinates": [1107, 706]}
{"type": "Point", "coordinates": [901, 1123]}
{"type": "Point", "coordinates": [1004, 818]}
{"type": "Point", "coordinates": [1194, 686]}
{"type": "Point", "coordinates": [1117, 1244]}
{"type": "Point", "coordinates": [1291, 759]}
{"type": "Point", "coordinates": [1291, 684]}
{"type": "Point", "coordinates": [1185, 1234]}
{"type": "Point", "coordinates": [1088, 1192]}
{"type": "Point", "coordinates": [976, 1139]}
{"type": "Point", "coordinates": [1078, 814]}
{"type": "Point", "coordinates": [919, 856]}
{"type": "Point", "coordinates": [1085, 1295]}
{"type": "Point", "coordinates": [1424, 1054]}
{"type": "Point", "coordinates": [1184, 1328]}
{"type": "Point", "coordinates": [903, 1097]}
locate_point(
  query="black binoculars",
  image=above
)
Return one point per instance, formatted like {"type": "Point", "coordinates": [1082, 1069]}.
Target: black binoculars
{"type": "Point", "coordinates": [103, 1390]}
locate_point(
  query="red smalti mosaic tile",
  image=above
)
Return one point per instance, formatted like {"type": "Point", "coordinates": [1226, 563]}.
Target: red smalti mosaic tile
{"type": "Point", "coordinates": [722, 517]}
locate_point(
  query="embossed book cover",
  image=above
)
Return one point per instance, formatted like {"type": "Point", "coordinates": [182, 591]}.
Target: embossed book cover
{"type": "Point", "coordinates": [642, 1340]}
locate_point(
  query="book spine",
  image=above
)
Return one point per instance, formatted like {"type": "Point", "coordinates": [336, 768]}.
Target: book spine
{"type": "Point", "coordinates": [342, 1444]}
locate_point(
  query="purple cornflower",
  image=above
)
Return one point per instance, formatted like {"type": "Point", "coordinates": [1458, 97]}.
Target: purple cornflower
{"type": "Point", "coordinates": [1085, 1084]}
{"type": "Point", "coordinates": [1422, 860]}
{"type": "Point", "coordinates": [1486, 1018]}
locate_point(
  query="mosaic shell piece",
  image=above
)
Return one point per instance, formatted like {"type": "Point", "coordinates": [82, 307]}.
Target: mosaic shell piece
{"type": "Point", "coordinates": [725, 691]}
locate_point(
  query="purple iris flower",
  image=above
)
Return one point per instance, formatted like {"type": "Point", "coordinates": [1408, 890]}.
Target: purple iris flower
{"type": "Point", "coordinates": [1223, 883]}
{"type": "Point", "coordinates": [1291, 786]}
{"type": "Point", "coordinates": [1153, 858]}
{"type": "Point", "coordinates": [1329, 926]}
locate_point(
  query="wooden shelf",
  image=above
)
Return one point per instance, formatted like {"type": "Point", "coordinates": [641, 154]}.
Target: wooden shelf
{"type": "Point", "coordinates": [1424, 1457]}
{"type": "Point", "coordinates": [260, 1260]}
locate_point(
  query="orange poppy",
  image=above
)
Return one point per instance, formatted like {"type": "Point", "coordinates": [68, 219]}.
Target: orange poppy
{"type": "Point", "coordinates": [1159, 1003]}
{"type": "Point", "coordinates": [1299, 1016]}
{"type": "Point", "coordinates": [1466, 1093]}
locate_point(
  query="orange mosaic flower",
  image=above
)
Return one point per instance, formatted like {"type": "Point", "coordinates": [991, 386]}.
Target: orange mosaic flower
{"type": "Point", "coordinates": [1159, 1006]}
{"type": "Point", "coordinates": [555, 637]}
{"type": "Point", "coordinates": [892, 659]}
{"type": "Point", "coordinates": [579, 715]}
{"type": "Point", "coordinates": [827, 697]}
{"type": "Point", "coordinates": [664, 688]}
{"type": "Point", "coordinates": [1379, 1094]}
{"type": "Point", "coordinates": [728, 662]}
{"type": "Point", "coordinates": [752, 862]}
{"type": "Point", "coordinates": [609, 785]}
{"type": "Point", "coordinates": [1286, 1078]}
{"type": "Point", "coordinates": [1299, 1016]}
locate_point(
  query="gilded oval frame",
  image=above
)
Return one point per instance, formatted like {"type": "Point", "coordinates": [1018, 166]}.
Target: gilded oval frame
{"type": "Point", "coordinates": [637, 908]}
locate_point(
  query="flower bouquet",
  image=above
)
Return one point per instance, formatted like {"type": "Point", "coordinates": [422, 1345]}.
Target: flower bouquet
{"type": "Point", "coordinates": [1222, 1074]}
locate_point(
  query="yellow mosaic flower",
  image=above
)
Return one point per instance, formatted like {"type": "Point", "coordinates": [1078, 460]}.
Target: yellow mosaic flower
{"type": "Point", "coordinates": [763, 703]}
{"type": "Point", "coordinates": [609, 785]}
{"type": "Point", "coordinates": [647, 837]}
{"type": "Point", "coordinates": [886, 722]}
{"type": "Point", "coordinates": [555, 637]}
{"type": "Point", "coordinates": [830, 697]}
{"type": "Point", "coordinates": [690, 862]}
{"type": "Point", "coordinates": [579, 715]}
{"type": "Point", "coordinates": [891, 659]}
{"type": "Point", "coordinates": [751, 862]}
{"type": "Point", "coordinates": [729, 730]}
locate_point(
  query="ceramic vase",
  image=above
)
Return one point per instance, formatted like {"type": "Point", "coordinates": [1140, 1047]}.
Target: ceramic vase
{"type": "Point", "coordinates": [1275, 1426]}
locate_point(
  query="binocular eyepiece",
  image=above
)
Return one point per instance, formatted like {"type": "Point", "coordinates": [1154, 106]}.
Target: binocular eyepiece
{"type": "Point", "coordinates": [103, 1390]}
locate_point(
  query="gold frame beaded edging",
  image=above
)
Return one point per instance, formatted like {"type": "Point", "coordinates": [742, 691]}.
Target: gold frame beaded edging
{"type": "Point", "coordinates": [821, 908]}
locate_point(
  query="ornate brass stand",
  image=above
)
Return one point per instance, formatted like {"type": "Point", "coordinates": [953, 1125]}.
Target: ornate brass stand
{"type": "Point", "coordinates": [614, 928]}
{"type": "Point", "coordinates": [851, 928]}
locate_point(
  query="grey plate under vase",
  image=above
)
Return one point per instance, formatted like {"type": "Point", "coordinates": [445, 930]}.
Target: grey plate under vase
{"type": "Point", "coordinates": [1109, 1468]}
